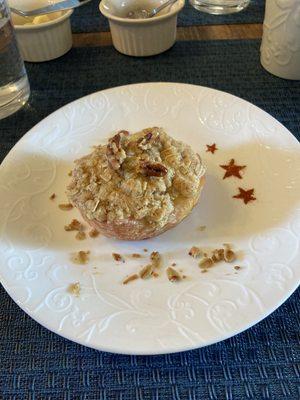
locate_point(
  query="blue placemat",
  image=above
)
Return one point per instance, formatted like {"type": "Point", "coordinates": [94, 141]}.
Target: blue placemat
{"type": "Point", "coordinates": [261, 363]}
{"type": "Point", "coordinates": [88, 18]}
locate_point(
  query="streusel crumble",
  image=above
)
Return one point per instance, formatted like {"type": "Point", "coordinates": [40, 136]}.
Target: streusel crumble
{"type": "Point", "coordinates": [138, 185]}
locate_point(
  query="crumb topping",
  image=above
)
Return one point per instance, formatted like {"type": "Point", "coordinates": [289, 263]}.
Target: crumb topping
{"type": "Point", "coordinates": [140, 176]}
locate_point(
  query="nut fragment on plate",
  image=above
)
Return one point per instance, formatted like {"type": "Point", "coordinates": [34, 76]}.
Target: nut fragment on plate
{"type": "Point", "coordinates": [117, 257]}
{"type": "Point", "coordinates": [229, 255]}
{"type": "Point", "coordinates": [130, 278]}
{"type": "Point", "coordinates": [206, 262]}
{"type": "Point", "coordinates": [146, 271]}
{"type": "Point", "coordinates": [218, 255]}
{"type": "Point", "coordinates": [136, 255]}
{"type": "Point", "coordinates": [156, 259]}
{"type": "Point", "coordinates": [52, 197]}
{"type": "Point", "coordinates": [80, 235]}
{"type": "Point", "coordinates": [74, 288]}
{"type": "Point", "coordinates": [93, 233]}
{"type": "Point", "coordinates": [195, 252]}
{"type": "Point", "coordinates": [74, 225]}
{"type": "Point", "coordinates": [81, 257]}
{"type": "Point", "coordinates": [173, 275]}
{"type": "Point", "coordinates": [137, 186]}
{"type": "Point", "coordinates": [65, 206]}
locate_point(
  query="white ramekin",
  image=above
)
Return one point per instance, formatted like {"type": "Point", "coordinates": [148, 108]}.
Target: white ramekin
{"type": "Point", "coordinates": [141, 37]}
{"type": "Point", "coordinates": [45, 41]}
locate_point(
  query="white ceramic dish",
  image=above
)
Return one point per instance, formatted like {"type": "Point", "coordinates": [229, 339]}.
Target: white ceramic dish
{"type": "Point", "coordinates": [44, 41]}
{"type": "Point", "coordinates": [154, 316]}
{"type": "Point", "coordinates": [141, 37]}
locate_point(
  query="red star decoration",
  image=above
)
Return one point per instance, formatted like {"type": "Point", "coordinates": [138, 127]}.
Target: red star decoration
{"type": "Point", "coordinates": [212, 147]}
{"type": "Point", "coordinates": [245, 195]}
{"type": "Point", "coordinates": [232, 169]}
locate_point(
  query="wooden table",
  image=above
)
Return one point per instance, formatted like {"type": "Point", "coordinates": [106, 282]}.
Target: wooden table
{"type": "Point", "coordinates": [206, 32]}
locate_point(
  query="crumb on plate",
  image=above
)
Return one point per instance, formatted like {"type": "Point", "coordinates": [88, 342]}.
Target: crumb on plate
{"type": "Point", "coordinates": [130, 278]}
{"type": "Point", "coordinates": [74, 225]}
{"type": "Point", "coordinates": [81, 257]}
{"type": "Point", "coordinates": [136, 255]}
{"type": "Point", "coordinates": [117, 257]}
{"type": "Point", "coordinates": [146, 271]}
{"type": "Point", "coordinates": [195, 252]}
{"type": "Point", "coordinates": [74, 289]}
{"type": "Point", "coordinates": [173, 275]}
{"type": "Point", "coordinates": [94, 233]}
{"type": "Point", "coordinates": [65, 206]}
{"type": "Point", "coordinates": [80, 235]}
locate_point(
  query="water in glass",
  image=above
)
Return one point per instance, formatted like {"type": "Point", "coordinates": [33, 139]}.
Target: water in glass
{"type": "Point", "coordinates": [14, 86]}
{"type": "Point", "coordinates": [220, 6]}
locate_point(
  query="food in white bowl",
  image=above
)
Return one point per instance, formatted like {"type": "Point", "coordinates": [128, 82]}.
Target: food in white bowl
{"type": "Point", "coordinates": [43, 37]}
{"type": "Point", "coordinates": [39, 19]}
{"type": "Point", "coordinates": [141, 37]}
{"type": "Point", "coordinates": [137, 186]}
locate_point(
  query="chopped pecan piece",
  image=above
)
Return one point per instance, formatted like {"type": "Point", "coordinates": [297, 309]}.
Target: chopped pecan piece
{"type": "Point", "coordinates": [52, 197]}
{"type": "Point", "coordinates": [229, 255]}
{"type": "Point", "coordinates": [130, 278]}
{"type": "Point", "coordinates": [80, 235]}
{"type": "Point", "coordinates": [75, 225]}
{"type": "Point", "coordinates": [195, 252]}
{"type": "Point", "coordinates": [147, 140]}
{"type": "Point", "coordinates": [206, 262]}
{"type": "Point", "coordinates": [153, 169]}
{"type": "Point", "coordinates": [74, 288]}
{"type": "Point", "coordinates": [136, 255]}
{"type": "Point", "coordinates": [114, 152]}
{"type": "Point", "coordinates": [146, 271]}
{"type": "Point", "coordinates": [173, 275]}
{"type": "Point", "coordinates": [118, 257]}
{"type": "Point", "coordinates": [65, 207]}
{"type": "Point", "coordinates": [156, 259]}
{"type": "Point", "coordinates": [93, 233]}
{"type": "Point", "coordinates": [218, 255]}
{"type": "Point", "coordinates": [82, 257]}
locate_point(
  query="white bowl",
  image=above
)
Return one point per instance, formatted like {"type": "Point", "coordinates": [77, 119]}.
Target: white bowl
{"type": "Point", "coordinates": [43, 41]}
{"type": "Point", "coordinates": [141, 37]}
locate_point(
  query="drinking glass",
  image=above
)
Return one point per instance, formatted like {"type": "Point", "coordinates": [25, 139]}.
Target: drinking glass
{"type": "Point", "coordinates": [14, 86]}
{"type": "Point", "coordinates": [220, 6]}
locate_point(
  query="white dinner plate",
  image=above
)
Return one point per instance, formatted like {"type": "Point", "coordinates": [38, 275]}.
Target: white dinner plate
{"type": "Point", "coordinates": [154, 316]}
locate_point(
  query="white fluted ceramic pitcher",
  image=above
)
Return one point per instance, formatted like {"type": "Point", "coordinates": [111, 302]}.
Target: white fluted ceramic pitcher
{"type": "Point", "coordinates": [280, 47]}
